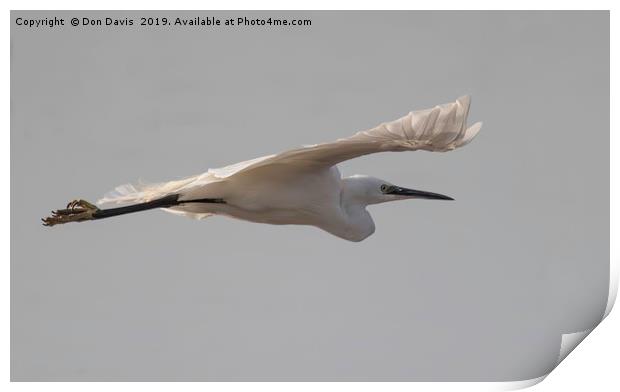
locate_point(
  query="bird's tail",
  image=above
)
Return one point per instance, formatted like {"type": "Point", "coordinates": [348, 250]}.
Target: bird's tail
{"type": "Point", "coordinates": [142, 193]}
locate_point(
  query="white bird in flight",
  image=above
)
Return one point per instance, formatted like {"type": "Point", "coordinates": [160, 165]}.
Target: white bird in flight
{"type": "Point", "coordinates": [302, 186]}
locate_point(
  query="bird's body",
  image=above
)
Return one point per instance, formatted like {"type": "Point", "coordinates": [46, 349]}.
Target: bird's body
{"type": "Point", "coordinates": [301, 186]}
{"type": "Point", "coordinates": [317, 198]}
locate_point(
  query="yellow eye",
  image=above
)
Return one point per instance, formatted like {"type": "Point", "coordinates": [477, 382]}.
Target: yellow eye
{"type": "Point", "coordinates": [384, 188]}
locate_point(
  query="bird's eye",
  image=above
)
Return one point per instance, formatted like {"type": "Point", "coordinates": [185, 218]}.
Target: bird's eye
{"type": "Point", "coordinates": [384, 188]}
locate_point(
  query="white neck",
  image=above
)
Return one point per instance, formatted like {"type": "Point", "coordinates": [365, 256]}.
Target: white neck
{"type": "Point", "coordinates": [359, 223]}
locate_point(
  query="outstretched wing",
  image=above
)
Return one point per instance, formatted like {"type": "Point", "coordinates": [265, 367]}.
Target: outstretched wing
{"type": "Point", "coordinates": [442, 128]}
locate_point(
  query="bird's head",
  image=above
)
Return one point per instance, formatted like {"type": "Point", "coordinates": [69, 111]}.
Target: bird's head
{"type": "Point", "coordinates": [368, 190]}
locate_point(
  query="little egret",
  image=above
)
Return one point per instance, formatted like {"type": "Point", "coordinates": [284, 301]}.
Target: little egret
{"type": "Point", "coordinates": [302, 186]}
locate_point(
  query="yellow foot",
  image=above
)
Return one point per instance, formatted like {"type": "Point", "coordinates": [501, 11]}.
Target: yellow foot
{"type": "Point", "coordinates": [76, 211]}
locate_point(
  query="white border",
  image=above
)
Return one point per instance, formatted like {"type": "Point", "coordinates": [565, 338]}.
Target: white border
{"type": "Point", "coordinates": [602, 356]}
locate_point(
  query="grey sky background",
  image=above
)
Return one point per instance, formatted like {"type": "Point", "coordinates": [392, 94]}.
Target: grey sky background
{"type": "Point", "coordinates": [479, 289]}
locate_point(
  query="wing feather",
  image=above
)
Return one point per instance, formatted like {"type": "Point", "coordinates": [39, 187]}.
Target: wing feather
{"type": "Point", "coordinates": [442, 128]}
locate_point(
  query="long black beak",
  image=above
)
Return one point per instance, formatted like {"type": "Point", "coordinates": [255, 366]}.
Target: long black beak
{"type": "Point", "coordinates": [396, 190]}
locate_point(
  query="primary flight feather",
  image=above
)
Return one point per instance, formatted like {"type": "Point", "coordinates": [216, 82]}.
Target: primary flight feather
{"type": "Point", "coordinates": [302, 186]}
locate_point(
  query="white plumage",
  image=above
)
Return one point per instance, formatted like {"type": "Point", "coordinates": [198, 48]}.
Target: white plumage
{"type": "Point", "coordinates": [304, 186]}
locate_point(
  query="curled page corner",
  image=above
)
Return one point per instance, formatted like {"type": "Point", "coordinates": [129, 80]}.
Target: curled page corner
{"type": "Point", "coordinates": [569, 340]}
{"type": "Point", "coordinates": [567, 345]}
